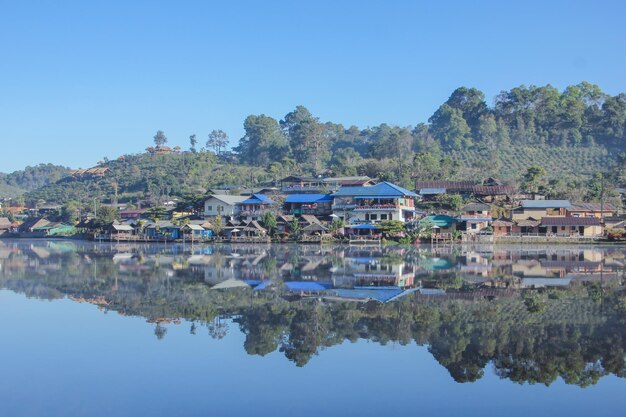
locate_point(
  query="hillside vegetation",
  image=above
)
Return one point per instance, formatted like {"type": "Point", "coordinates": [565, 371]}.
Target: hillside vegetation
{"type": "Point", "coordinates": [570, 136]}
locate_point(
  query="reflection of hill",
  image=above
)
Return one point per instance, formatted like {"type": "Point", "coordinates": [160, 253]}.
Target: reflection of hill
{"type": "Point", "coordinates": [576, 332]}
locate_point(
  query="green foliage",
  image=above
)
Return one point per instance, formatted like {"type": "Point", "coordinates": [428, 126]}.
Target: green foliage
{"type": "Point", "coordinates": [391, 227]}
{"type": "Point", "coordinates": [160, 139]}
{"type": "Point", "coordinates": [269, 222]}
{"type": "Point", "coordinates": [106, 216]}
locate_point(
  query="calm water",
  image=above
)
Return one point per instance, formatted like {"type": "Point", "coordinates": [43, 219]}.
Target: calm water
{"type": "Point", "coordinates": [131, 330]}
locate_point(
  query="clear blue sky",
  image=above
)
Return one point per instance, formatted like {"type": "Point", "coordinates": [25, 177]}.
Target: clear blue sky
{"type": "Point", "coordinates": [80, 80]}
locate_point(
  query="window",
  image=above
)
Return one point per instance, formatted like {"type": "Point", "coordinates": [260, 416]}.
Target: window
{"type": "Point", "coordinates": [373, 217]}
{"type": "Point", "coordinates": [474, 225]}
{"type": "Point", "coordinates": [383, 217]}
{"type": "Point", "coordinates": [209, 208]}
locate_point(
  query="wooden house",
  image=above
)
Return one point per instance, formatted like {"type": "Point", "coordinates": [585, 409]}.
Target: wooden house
{"type": "Point", "coordinates": [592, 210]}
{"type": "Point", "coordinates": [573, 226]}
{"type": "Point", "coordinates": [537, 209]}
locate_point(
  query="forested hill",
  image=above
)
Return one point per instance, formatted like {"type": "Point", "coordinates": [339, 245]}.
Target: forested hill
{"type": "Point", "coordinates": [30, 178]}
{"type": "Point", "coordinates": [571, 135]}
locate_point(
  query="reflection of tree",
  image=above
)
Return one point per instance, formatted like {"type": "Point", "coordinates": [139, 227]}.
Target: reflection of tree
{"type": "Point", "coordinates": [577, 334]}
{"type": "Point", "coordinates": [218, 328]}
{"type": "Point", "coordinates": [160, 331]}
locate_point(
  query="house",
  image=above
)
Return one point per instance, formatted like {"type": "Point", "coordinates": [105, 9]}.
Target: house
{"type": "Point", "coordinates": [592, 210]}
{"type": "Point", "coordinates": [489, 190]}
{"type": "Point", "coordinates": [573, 226]}
{"type": "Point", "coordinates": [373, 204]}
{"type": "Point", "coordinates": [193, 231]}
{"type": "Point", "coordinates": [53, 229]}
{"type": "Point", "coordinates": [314, 204]}
{"type": "Point", "coordinates": [537, 209]}
{"type": "Point", "coordinates": [615, 222]}
{"type": "Point", "coordinates": [132, 214]}
{"type": "Point", "coordinates": [502, 227]}
{"type": "Point", "coordinates": [304, 184]}
{"type": "Point", "coordinates": [222, 205]}
{"type": "Point", "coordinates": [31, 223]}
{"type": "Point", "coordinates": [254, 207]}
{"type": "Point", "coordinates": [477, 216]}
{"type": "Point", "coordinates": [5, 225]}
{"type": "Point", "coordinates": [441, 223]}
{"type": "Point", "coordinates": [120, 231]}
{"type": "Point", "coordinates": [162, 229]}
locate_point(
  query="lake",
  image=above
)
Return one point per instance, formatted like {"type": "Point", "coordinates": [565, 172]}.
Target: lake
{"type": "Point", "coordinates": [104, 329]}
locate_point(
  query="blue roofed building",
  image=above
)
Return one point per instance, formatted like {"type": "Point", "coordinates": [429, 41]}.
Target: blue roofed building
{"type": "Point", "coordinates": [374, 204]}
{"type": "Point", "coordinates": [313, 204]}
{"type": "Point", "coordinates": [254, 207]}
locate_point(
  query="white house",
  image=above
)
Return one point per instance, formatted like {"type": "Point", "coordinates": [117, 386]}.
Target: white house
{"type": "Point", "coordinates": [374, 204]}
{"type": "Point", "coordinates": [223, 205]}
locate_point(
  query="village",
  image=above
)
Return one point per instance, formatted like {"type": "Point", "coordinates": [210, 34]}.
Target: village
{"type": "Point", "coordinates": [357, 210]}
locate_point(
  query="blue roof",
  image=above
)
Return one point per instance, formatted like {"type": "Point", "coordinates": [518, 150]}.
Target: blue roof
{"type": "Point", "coordinates": [305, 286]}
{"type": "Point", "coordinates": [308, 198]}
{"type": "Point", "coordinates": [380, 190]}
{"type": "Point", "coordinates": [257, 199]}
{"type": "Point", "coordinates": [365, 226]}
{"type": "Point", "coordinates": [546, 204]}
{"type": "Point", "coordinates": [428, 191]}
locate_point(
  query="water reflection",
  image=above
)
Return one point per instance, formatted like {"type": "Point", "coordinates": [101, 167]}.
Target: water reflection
{"type": "Point", "coordinates": [535, 313]}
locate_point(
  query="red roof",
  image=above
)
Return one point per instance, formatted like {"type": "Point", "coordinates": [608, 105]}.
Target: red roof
{"type": "Point", "coordinates": [570, 221]}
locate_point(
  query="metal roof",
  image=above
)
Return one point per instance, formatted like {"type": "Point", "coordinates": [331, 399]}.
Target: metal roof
{"type": "Point", "coordinates": [308, 198]}
{"type": "Point", "coordinates": [381, 190]}
{"type": "Point", "coordinates": [541, 204]}
{"type": "Point", "coordinates": [570, 221]}
{"type": "Point", "coordinates": [429, 191]}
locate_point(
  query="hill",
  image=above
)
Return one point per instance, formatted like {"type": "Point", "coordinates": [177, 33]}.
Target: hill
{"type": "Point", "coordinates": [30, 178]}
{"type": "Point", "coordinates": [571, 137]}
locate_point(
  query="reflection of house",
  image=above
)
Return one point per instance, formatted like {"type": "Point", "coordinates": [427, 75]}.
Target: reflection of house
{"type": "Point", "coordinates": [537, 209]}
{"type": "Point", "coordinates": [222, 205]}
{"type": "Point", "coordinates": [573, 226]}
{"type": "Point", "coordinates": [373, 204]}
{"type": "Point", "coordinates": [374, 272]}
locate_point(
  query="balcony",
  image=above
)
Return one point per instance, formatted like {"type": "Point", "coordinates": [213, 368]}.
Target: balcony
{"type": "Point", "coordinates": [321, 188]}
{"type": "Point", "coordinates": [377, 207]}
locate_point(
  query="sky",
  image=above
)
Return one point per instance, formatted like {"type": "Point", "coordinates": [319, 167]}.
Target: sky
{"type": "Point", "coordinates": [80, 81]}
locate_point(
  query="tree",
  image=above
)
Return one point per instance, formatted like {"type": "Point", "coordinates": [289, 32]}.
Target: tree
{"type": "Point", "coordinates": [106, 216]}
{"type": "Point", "coordinates": [471, 103]}
{"type": "Point", "coordinates": [308, 138]}
{"type": "Point", "coordinates": [69, 212]}
{"type": "Point", "coordinates": [532, 179]}
{"type": "Point", "coordinates": [217, 225]}
{"type": "Point", "coordinates": [218, 140]}
{"type": "Point", "coordinates": [193, 142]}
{"type": "Point", "coordinates": [269, 222]}
{"type": "Point", "coordinates": [450, 128]}
{"type": "Point", "coordinates": [391, 227]}
{"type": "Point", "coordinates": [160, 139]}
{"type": "Point", "coordinates": [263, 141]}
{"type": "Point", "coordinates": [295, 229]}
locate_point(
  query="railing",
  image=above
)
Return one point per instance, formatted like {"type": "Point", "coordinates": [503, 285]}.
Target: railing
{"type": "Point", "coordinates": [304, 188]}
{"type": "Point", "coordinates": [378, 207]}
